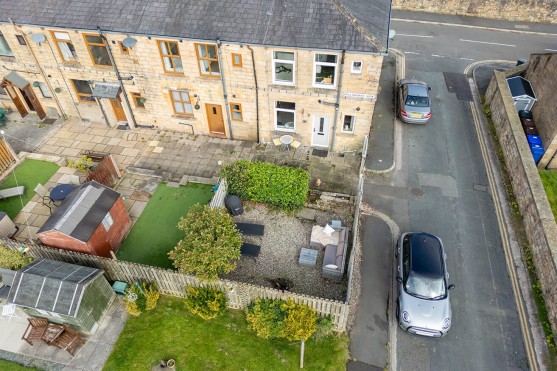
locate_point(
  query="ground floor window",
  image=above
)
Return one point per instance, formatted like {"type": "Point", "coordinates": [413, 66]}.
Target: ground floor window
{"type": "Point", "coordinates": [181, 102]}
{"type": "Point", "coordinates": [236, 111]}
{"type": "Point", "coordinates": [44, 90]}
{"type": "Point", "coordinates": [138, 100]}
{"type": "Point", "coordinates": [83, 91]}
{"type": "Point", "coordinates": [348, 123]}
{"type": "Point", "coordinates": [285, 116]}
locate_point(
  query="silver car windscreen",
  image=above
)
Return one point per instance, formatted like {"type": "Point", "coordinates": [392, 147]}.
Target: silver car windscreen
{"type": "Point", "coordinates": [424, 287]}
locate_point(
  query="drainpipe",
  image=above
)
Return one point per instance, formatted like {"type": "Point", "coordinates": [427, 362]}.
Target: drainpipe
{"type": "Point", "coordinates": [133, 123]}
{"type": "Point", "coordinates": [337, 104]}
{"type": "Point", "coordinates": [256, 92]}
{"type": "Point", "coordinates": [224, 90]}
{"type": "Point", "coordinates": [44, 75]}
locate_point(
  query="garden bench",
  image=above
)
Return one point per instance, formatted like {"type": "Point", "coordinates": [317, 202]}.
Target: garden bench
{"type": "Point", "coordinates": [35, 330]}
{"type": "Point", "coordinates": [69, 340]}
{"type": "Point", "coordinates": [10, 192]}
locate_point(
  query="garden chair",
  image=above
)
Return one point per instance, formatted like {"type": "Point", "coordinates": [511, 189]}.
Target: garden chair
{"type": "Point", "coordinates": [277, 142]}
{"type": "Point", "coordinates": [35, 330]}
{"type": "Point", "coordinates": [295, 144]}
{"type": "Point", "coordinates": [69, 340]}
{"type": "Point", "coordinates": [44, 194]}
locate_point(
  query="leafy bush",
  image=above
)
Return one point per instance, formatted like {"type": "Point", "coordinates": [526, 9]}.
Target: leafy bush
{"type": "Point", "coordinates": [266, 317]}
{"type": "Point", "coordinates": [13, 259]}
{"type": "Point", "coordinates": [206, 302]}
{"type": "Point", "coordinates": [324, 327]}
{"type": "Point", "coordinates": [300, 321]}
{"type": "Point", "coordinates": [211, 243]}
{"type": "Point", "coordinates": [141, 297]}
{"type": "Point", "coordinates": [82, 164]}
{"type": "Point", "coordinates": [282, 187]}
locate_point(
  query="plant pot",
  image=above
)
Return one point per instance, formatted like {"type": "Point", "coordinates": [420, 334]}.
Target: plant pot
{"type": "Point", "coordinates": [7, 276]}
{"type": "Point", "coordinates": [170, 363]}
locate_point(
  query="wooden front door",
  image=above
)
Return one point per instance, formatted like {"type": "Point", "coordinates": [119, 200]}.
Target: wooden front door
{"type": "Point", "coordinates": [215, 120]}
{"type": "Point", "coordinates": [12, 93]}
{"type": "Point", "coordinates": [118, 109]}
{"type": "Point", "coordinates": [32, 101]}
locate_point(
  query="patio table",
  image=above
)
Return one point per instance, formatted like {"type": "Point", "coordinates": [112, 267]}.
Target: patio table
{"type": "Point", "coordinates": [60, 192]}
{"type": "Point", "coordinates": [286, 140]}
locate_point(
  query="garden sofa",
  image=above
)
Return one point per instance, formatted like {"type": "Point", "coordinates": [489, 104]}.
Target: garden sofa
{"type": "Point", "coordinates": [336, 247]}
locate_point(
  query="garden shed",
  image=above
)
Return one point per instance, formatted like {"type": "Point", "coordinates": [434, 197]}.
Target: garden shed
{"type": "Point", "coordinates": [62, 293]}
{"type": "Point", "coordinates": [92, 219]}
{"type": "Point", "coordinates": [522, 93]}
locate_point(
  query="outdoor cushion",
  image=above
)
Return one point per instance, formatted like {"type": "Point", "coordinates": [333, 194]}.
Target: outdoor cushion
{"type": "Point", "coordinates": [328, 230]}
{"type": "Point", "coordinates": [331, 266]}
{"type": "Point", "coordinates": [330, 255]}
{"type": "Point", "coordinates": [319, 238]}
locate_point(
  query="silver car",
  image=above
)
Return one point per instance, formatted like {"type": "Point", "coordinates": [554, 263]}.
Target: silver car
{"type": "Point", "coordinates": [413, 101]}
{"type": "Point", "coordinates": [423, 305]}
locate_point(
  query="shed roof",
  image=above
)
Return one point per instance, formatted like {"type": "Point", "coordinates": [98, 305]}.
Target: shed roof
{"type": "Point", "coordinates": [353, 25]}
{"type": "Point", "coordinates": [82, 211]}
{"type": "Point", "coordinates": [52, 286]}
{"type": "Point", "coordinates": [519, 87]}
{"type": "Point", "coordinates": [106, 90]}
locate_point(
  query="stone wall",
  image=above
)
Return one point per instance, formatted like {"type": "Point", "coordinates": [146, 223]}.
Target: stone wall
{"type": "Point", "coordinates": [544, 11]}
{"type": "Point", "coordinates": [538, 219]}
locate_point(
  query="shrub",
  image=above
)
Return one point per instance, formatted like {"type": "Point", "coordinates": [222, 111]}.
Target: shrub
{"type": "Point", "coordinates": [300, 321]}
{"type": "Point", "coordinates": [324, 327]}
{"type": "Point", "coordinates": [282, 187]}
{"type": "Point", "coordinates": [206, 302]}
{"type": "Point", "coordinates": [141, 297]}
{"type": "Point", "coordinates": [266, 317]}
{"type": "Point", "coordinates": [211, 243]}
{"type": "Point", "coordinates": [13, 259]}
{"type": "Point", "coordinates": [82, 164]}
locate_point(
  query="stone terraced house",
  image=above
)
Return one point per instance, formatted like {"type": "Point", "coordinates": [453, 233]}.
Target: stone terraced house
{"type": "Point", "coordinates": [240, 69]}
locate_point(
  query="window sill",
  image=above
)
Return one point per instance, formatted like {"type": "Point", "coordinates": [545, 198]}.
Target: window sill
{"type": "Point", "coordinates": [7, 58]}
{"type": "Point", "coordinates": [347, 132]}
{"type": "Point", "coordinates": [183, 117]}
{"type": "Point", "coordinates": [212, 77]}
{"type": "Point", "coordinates": [286, 130]}
{"type": "Point", "coordinates": [284, 85]}
{"type": "Point", "coordinates": [324, 86]}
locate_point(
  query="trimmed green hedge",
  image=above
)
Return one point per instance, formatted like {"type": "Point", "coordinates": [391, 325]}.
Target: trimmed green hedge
{"type": "Point", "coordinates": [282, 187]}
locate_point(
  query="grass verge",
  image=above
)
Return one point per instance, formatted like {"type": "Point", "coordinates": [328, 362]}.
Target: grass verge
{"type": "Point", "coordinates": [28, 174]}
{"type": "Point", "coordinates": [155, 233]}
{"type": "Point", "coordinates": [518, 226]}
{"type": "Point", "coordinates": [224, 343]}
{"type": "Point", "coordinates": [549, 180]}
{"type": "Point", "coordinates": [10, 366]}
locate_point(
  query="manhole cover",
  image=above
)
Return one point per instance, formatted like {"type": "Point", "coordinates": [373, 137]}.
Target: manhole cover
{"type": "Point", "coordinates": [418, 192]}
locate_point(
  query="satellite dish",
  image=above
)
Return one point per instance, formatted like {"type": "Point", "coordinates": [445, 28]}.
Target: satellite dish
{"type": "Point", "coordinates": [38, 38]}
{"type": "Point", "coordinates": [392, 34]}
{"type": "Point", "coordinates": [129, 42]}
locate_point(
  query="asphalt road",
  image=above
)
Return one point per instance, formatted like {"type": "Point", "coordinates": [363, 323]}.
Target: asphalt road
{"type": "Point", "coordinates": [440, 186]}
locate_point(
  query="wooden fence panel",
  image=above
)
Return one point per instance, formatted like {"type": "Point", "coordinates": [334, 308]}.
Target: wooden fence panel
{"type": "Point", "coordinates": [239, 294]}
{"type": "Point", "coordinates": [6, 156]}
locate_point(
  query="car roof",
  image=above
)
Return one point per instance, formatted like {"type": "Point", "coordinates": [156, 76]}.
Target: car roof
{"type": "Point", "coordinates": [426, 255]}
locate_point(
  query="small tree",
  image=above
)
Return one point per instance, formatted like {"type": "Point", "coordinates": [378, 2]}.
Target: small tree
{"type": "Point", "coordinates": [13, 259]}
{"type": "Point", "coordinates": [211, 243]}
{"type": "Point", "coordinates": [266, 317]}
{"type": "Point", "coordinates": [141, 297]}
{"type": "Point", "coordinates": [206, 302]}
{"type": "Point", "coordinates": [300, 323]}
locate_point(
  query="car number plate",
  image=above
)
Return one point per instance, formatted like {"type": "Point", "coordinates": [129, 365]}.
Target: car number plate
{"type": "Point", "coordinates": [416, 115]}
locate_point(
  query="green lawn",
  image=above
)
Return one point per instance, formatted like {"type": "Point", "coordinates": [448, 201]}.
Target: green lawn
{"type": "Point", "coordinates": [549, 180]}
{"type": "Point", "coordinates": [9, 366]}
{"type": "Point", "coordinates": [29, 173]}
{"type": "Point", "coordinates": [224, 343]}
{"type": "Point", "coordinates": [155, 232]}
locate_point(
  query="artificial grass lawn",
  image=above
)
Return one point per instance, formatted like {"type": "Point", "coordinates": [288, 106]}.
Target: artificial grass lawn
{"type": "Point", "coordinates": [224, 343]}
{"type": "Point", "coordinates": [155, 233]}
{"type": "Point", "coordinates": [549, 180]}
{"type": "Point", "coordinates": [9, 366]}
{"type": "Point", "coordinates": [29, 173]}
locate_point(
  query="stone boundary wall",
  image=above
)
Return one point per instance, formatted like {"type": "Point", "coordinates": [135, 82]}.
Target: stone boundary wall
{"type": "Point", "coordinates": [539, 223]}
{"type": "Point", "coordinates": [542, 11]}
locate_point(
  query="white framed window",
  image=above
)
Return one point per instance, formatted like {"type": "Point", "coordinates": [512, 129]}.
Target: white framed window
{"type": "Point", "coordinates": [284, 68]}
{"type": "Point", "coordinates": [285, 116]}
{"type": "Point", "coordinates": [348, 124]}
{"type": "Point", "coordinates": [108, 221]}
{"type": "Point", "coordinates": [4, 47]}
{"type": "Point", "coordinates": [65, 46]}
{"type": "Point", "coordinates": [44, 90]}
{"type": "Point", "coordinates": [356, 67]}
{"type": "Point", "coordinates": [325, 71]}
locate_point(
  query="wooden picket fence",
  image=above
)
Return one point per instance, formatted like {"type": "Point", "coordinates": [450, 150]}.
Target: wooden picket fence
{"type": "Point", "coordinates": [7, 158]}
{"type": "Point", "coordinates": [173, 283]}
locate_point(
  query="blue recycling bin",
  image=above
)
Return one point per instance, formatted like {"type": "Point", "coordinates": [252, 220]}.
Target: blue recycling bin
{"type": "Point", "coordinates": [534, 139]}
{"type": "Point", "coordinates": [537, 152]}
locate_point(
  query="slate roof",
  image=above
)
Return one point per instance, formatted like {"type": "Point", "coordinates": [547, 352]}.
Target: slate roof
{"type": "Point", "coordinates": [352, 25]}
{"type": "Point", "coordinates": [17, 80]}
{"type": "Point", "coordinates": [82, 211]}
{"type": "Point", "coordinates": [519, 87]}
{"type": "Point", "coordinates": [52, 286]}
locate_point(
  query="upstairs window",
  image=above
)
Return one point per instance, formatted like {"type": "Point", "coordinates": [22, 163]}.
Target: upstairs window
{"type": "Point", "coordinates": [236, 60]}
{"type": "Point", "coordinates": [123, 49]}
{"type": "Point", "coordinates": [65, 46]}
{"type": "Point", "coordinates": [283, 68]}
{"type": "Point", "coordinates": [285, 116]}
{"type": "Point", "coordinates": [97, 50]}
{"type": "Point", "coordinates": [170, 54]}
{"type": "Point", "coordinates": [4, 47]}
{"type": "Point", "coordinates": [208, 60]}
{"type": "Point", "coordinates": [20, 40]}
{"type": "Point", "coordinates": [181, 103]}
{"type": "Point", "coordinates": [325, 71]}
{"type": "Point", "coordinates": [83, 91]}
{"type": "Point", "coordinates": [356, 67]}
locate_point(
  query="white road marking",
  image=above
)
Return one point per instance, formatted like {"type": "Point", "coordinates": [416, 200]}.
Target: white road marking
{"type": "Point", "coordinates": [485, 42]}
{"type": "Point", "coordinates": [411, 53]}
{"type": "Point", "coordinates": [522, 26]}
{"type": "Point", "coordinates": [551, 50]}
{"type": "Point", "coordinates": [424, 36]}
{"type": "Point", "coordinates": [467, 59]}
{"type": "Point", "coordinates": [437, 55]}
